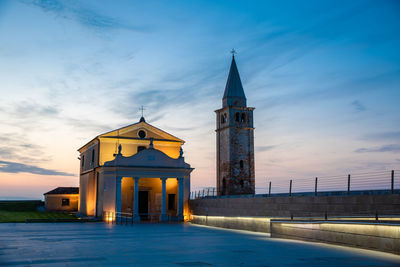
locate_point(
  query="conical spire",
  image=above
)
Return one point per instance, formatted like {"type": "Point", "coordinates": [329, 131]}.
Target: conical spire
{"type": "Point", "coordinates": [234, 93]}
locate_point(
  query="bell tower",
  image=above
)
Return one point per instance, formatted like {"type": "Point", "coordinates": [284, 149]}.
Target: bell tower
{"type": "Point", "coordinates": [235, 139]}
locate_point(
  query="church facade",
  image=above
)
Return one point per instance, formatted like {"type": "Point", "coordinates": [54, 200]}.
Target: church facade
{"type": "Point", "coordinates": [235, 139]}
{"type": "Point", "coordinates": [138, 170]}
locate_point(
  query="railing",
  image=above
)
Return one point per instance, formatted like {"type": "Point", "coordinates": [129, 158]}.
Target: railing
{"type": "Point", "coordinates": [129, 218]}
{"type": "Point", "coordinates": [387, 182]}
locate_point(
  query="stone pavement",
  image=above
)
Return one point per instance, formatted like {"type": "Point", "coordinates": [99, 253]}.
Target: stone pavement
{"type": "Point", "coordinates": [99, 244]}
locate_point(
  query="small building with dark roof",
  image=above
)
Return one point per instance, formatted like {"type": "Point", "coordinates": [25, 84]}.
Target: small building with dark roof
{"type": "Point", "coordinates": [62, 199]}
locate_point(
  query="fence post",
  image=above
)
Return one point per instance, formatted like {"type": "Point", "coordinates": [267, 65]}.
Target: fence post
{"type": "Point", "coordinates": [290, 188]}
{"type": "Point", "coordinates": [208, 192]}
{"type": "Point", "coordinates": [316, 186]}
{"type": "Point", "coordinates": [269, 189]}
{"type": "Point", "coordinates": [203, 192]}
{"type": "Point", "coordinates": [392, 183]}
{"type": "Point", "coordinates": [348, 184]}
{"type": "Point", "coordinates": [213, 192]}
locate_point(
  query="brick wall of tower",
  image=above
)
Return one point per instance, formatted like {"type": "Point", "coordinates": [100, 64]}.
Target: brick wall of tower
{"type": "Point", "coordinates": [241, 150]}
{"type": "Point", "coordinates": [235, 151]}
{"type": "Point", "coordinates": [223, 151]}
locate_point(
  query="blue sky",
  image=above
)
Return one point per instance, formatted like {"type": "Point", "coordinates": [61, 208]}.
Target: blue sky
{"type": "Point", "coordinates": [324, 77]}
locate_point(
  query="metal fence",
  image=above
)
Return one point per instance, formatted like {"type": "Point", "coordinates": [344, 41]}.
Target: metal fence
{"type": "Point", "coordinates": [385, 181]}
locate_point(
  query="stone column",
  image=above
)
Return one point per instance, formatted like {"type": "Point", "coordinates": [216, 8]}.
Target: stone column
{"type": "Point", "coordinates": [136, 216]}
{"type": "Point", "coordinates": [118, 194]}
{"type": "Point", "coordinates": [164, 215]}
{"type": "Point", "coordinates": [180, 199]}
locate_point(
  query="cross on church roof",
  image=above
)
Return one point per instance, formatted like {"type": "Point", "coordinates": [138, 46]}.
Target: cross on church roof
{"type": "Point", "coordinates": [142, 109]}
{"type": "Point", "coordinates": [233, 52]}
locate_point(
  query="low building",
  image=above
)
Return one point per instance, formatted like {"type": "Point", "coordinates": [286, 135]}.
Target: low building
{"type": "Point", "coordinates": [62, 199]}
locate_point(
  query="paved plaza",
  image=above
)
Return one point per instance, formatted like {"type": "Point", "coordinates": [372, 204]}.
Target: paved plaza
{"type": "Point", "coordinates": [99, 244]}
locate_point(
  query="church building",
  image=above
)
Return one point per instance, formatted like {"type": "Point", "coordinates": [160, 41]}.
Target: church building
{"type": "Point", "coordinates": [235, 139]}
{"type": "Point", "coordinates": [138, 170]}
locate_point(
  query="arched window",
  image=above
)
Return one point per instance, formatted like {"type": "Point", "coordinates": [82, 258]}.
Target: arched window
{"type": "Point", "coordinates": [222, 119]}
{"type": "Point", "coordinates": [83, 160]}
{"type": "Point", "coordinates": [241, 164]}
{"type": "Point", "coordinates": [243, 119]}
{"type": "Point", "coordinates": [237, 116]}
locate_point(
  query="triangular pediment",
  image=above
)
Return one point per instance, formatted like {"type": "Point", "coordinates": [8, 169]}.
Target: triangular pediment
{"type": "Point", "coordinates": [148, 158]}
{"type": "Point", "coordinates": [132, 131]}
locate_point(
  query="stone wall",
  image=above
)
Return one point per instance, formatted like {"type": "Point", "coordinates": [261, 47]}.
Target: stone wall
{"type": "Point", "coordinates": [255, 224]}
{"type": "Point", "coordinates": [377, 236]}
{"type": "Point", "coordinates": [298, 206]}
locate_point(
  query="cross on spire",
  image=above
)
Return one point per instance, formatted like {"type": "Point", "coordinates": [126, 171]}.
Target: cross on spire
{"type": "Point", "coordinates": [233, 52]}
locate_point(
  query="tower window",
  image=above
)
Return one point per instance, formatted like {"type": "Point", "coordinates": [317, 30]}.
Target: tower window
{"type": "Point", "coordinates": [241, 164]}
{"type": "Point", "coordinates": [237, 116]}
{"type": "Point", "coordinates": [142, 134]}
{"type": "Point", "coordinates": [223, 186]}
{"type": "Point", "coordinates": [83, 160]}
{"type": "Point", "coordinates": [241, 183]}
{"type": "Point", "coordinates": [222, 119]}
{"type": "Point", "coordinates": [243, 119]}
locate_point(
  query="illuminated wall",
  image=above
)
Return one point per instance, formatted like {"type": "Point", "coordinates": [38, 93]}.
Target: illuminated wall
{"type": "Point", "coordinates": [54, 202]}
{"type": "Point", "coordinates": [87, 193]}
{"type": "Point", "coordinates": [257, 224]}
{"type": "Point", "coordinates": [377, 236]}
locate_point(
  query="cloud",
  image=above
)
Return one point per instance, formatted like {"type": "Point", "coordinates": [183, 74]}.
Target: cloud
{"type": "Point", "coordinates": [352, 86]}
{"type": "Point", "coordinates": [89, 18]}
{"type": "Point", "coordinates": [31, 108]}
{"type": "Point", "coordinates": [358, 105]}
{"type": "Point", "coordinates": [390, 135]}
{"type": "Point", "coordinates": [395, 148]}
{"type": "Point", "coordinates": [17, 147]}
{"type": "Point", "coordinates": [14, 167]}
{"type": "Point", "coordinates": [264, 148]}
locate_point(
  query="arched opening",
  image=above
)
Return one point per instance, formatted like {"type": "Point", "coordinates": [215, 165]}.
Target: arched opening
{"type": "Point", "coordinates": [241, 164]}
{"type": "Point", "coordinates": [222, 119]}
{"type": "Point", "coordinates": [241, 183]}
{"type": "Point", "coordinates": [237, 116]}
{"type": "Point", "coordinates": [243, 119]}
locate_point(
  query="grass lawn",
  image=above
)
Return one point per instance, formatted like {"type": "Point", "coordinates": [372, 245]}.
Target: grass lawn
{"type": "Point", "coordinates": [21, 216]}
